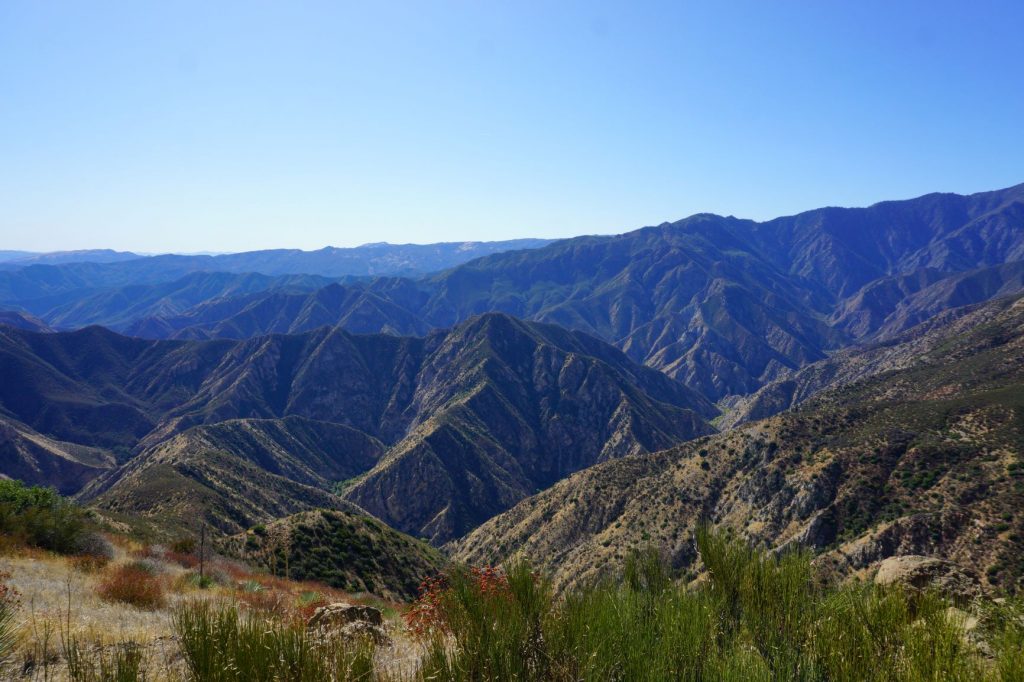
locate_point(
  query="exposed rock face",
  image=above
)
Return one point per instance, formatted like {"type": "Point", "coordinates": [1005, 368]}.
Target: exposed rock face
{"type": "Point", "coordinates": [924, 573]}
{"type": "Point", "coordinates": [350, 622]}
{"type": "Point", "coordinates": [341, 613]}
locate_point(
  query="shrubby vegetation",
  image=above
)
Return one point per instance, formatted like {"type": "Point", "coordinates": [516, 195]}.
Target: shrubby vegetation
{"type": "Point", "coordinates": [40, 517]}
{"type": "Point", "coordinates": [750, 616]}
{"type": "Point", "coordinates": [753, 617]}
{"type": "Point", "coordinates": [133, 584]}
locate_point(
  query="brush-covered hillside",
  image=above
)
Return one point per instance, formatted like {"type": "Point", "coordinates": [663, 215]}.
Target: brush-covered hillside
{"type": "Point", "coordinates": [926, 460]}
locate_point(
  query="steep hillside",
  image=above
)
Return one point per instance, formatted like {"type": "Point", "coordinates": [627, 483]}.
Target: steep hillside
{"type": "Point", "coordinates": [230, 476]}
{"type": "Point", "coordinates": [891, 305]}
{"type": "Point", "coordinates": [378, 306]}
{"type": "Point", "coordinates": [474, 419]}
{"type": "Point", "coordinates": [922, 460]}
{"type": "Point", "coordinates": [509, 409]}
{"type": "Point", "coordinates": [119, 307]}
{"type": "Point", "coordinates": [483, 414]}
{"type": "Point", "coordinates": [20, 320]}
{"type": "Point", "coordinates": [342, 549]}
{"type": "Point", "coordinates": [914, 346]}
{"type": "Point", "coordinates": [38, 460]}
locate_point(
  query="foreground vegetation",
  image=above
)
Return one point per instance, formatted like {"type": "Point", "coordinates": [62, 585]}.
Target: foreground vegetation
{"type": "Point", "coordinates": [753, 617]}
{"type": "Point", "coordinates": [750, 616]}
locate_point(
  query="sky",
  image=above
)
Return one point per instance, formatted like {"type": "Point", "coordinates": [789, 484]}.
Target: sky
{"type": "Point", "coordinates": [231, 126]}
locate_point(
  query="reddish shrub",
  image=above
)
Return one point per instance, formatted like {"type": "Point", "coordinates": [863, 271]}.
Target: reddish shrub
{"type": "Point", "coordinates": [8, 595]}
{"type": "Point", "coordinates": [133, 585]}
{"type": "Point", "coordinates": [89, 563]}
{"type": "Point", "coordinates": [427, 613]}
{"type": "Point", "coordinates": [182, 559]}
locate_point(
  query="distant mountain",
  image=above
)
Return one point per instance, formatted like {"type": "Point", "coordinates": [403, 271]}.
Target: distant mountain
{"type": "Point", "coordinates": [121, 307]}
{"type": "Point", "coordinates": [924, 459]}
{"type": "Point", "coordinates": [721, 304]}
{"type": "Point", "coordinates": [366, 260]}
{"type": "Point", "coordinates": [382, 305]}
{"type": "Point", "coordinates": [236, 398]}
{"type": "Point", "coordinates": [6, 256]}
{"type": "Point", "coordinates": [506, 408]}
{"type": "Point", "coordinates": [914, 346]}
{"type": "Point", "coordinates": [40, 279]}
{"type": "Point", "coordinates": [20, 258]}
{"type": "Point", "coordinates": [13, 318]}
{"type": "Point", "coordinates": [483, 415]}
{"type": "Point", "coordinates": [890, 305]}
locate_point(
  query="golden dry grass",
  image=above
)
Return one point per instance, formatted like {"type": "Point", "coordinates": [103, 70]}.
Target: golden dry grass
{"type": "Point", "coordinates": [61, 599]}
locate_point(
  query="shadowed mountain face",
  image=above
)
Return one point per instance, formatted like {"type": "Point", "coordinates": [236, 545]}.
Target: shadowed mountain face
{"type": "Point", "coordinates": [922, 457]}
{"type": "Point", "coordinates": [721, 304]}
{"type": "Point", "coordinates": [474, 418]}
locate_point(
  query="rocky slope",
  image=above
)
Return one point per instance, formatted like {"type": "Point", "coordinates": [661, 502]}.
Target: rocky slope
{"type": "Point", "coordinates": [922, 460]}
{"type": "Point", "coordinates": [458, 425]}
{"type": "Point", "coordinates": [916, 345]}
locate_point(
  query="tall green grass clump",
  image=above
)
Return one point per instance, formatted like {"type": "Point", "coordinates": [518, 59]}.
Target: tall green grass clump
{"type": "Point", "coordinates": [219, 644]}
{"type": "Point", "coordinates": [119, 663]}
{"type": "Point", "coordinates": [752, 616]}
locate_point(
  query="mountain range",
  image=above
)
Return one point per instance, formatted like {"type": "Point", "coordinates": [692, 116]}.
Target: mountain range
{"type": "Point", "coordinates": [722, 304]}
{"type": "Point", "coordinates": [458, 425]}
{"type": "Point", "coordinates": [845, 379]}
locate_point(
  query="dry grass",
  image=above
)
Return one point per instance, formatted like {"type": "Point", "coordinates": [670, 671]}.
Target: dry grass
{"type": "Point", "coordinates": [63, 600]}
{"type": "Point", "coordinates": [60, 601]}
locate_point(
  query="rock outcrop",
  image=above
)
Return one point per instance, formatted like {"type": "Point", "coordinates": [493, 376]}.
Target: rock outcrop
{"type": "Point", "coordinates": [924, 573]}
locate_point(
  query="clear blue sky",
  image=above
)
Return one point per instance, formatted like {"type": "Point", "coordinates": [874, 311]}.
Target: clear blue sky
{"type": "Point", "coordinates": [188, 126]}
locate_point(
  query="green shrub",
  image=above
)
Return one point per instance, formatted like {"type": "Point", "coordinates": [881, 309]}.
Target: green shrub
{"type": "Point", "coordinates": [39, 517]}
{"type": "Point", "coordinates": [122, 662]}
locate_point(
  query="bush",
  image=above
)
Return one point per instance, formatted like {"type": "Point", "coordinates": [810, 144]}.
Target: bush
{"type": "Point", "coordinates": [184, 545]}
{"type": "Point", "coordinates": [39, 517]}
{"type": "Point", "coordinates": [134, 585]}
